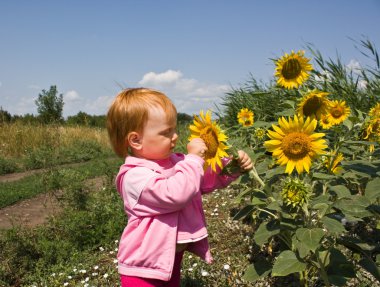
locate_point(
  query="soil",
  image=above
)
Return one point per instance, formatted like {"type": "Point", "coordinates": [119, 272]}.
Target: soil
{"type": "Point", "coordinates": [34, 211]}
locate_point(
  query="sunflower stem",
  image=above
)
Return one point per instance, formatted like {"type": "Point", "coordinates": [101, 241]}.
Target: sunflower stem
{"type": "Point", "coordinates": [253, 174]}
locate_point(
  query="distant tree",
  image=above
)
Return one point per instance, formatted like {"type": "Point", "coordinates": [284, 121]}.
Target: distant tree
{"type": "Point", "coordinates": [50, 106]}
{"type": "Point", "coordinates": [5, 117]}
{"type": "Point", "coordinates": [84, 119]}
{"type": "Point", "coordinates": [81, 118]}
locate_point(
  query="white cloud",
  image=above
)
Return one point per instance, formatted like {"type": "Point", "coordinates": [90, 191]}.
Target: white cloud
{"type": "Point", "coordinates": [167, 78]}
{"type": "Point", "coordinates": [354, 66]}
{"type": "Point", "coordinates": [1, 84]}
{"type": "Point", "coordinates": [99, 106]}
{"type": "Point", "coordinates": [71, 96]}
{"type": "Point", "coordinates": [189, 95]}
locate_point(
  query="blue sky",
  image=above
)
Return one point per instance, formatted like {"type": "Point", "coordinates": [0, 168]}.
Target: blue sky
{"type": "Point", "coordinates": [194, 51]}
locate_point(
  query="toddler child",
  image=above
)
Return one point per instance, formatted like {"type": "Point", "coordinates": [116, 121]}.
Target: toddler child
{"type": "Point", "coordinates": [161, 190]}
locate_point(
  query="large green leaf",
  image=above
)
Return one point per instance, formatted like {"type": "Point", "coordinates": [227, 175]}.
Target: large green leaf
{"type": "Point", "coordinates": [287, 263]}
{"type": "Point", "coordinates": [361, 166]}
{"type": "Point", "coordinates": [319, 175]}
{"type": "Point", "coordinates": [341, 191]}
{"type": "Point", "coordinates": [257, 270]}
{"type": "Point", "coordinates": [371, 267]}
{"type": "Point", "coordinates": [372, 190]}
{"type": "Point", "coordinates": [339, 268]}
{"type": "Point", "coordinates": [333, 225]}
{"type": "Point", "coordinates": [355, 207]}
{"type": "Point", "coordinates": [310, 238]}
{"type": "Point", "coordinates": [246, 210]}
{"type": "Point", "coordinates": [265, 231]}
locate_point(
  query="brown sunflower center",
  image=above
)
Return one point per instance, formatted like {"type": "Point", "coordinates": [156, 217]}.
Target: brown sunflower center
{"type": "Point", "coordinates": [291, 69]}
{"type": "Point", "coordinates": [296, 145]}
{"type": "Point", "coordinates": [247, 122]}
{"type": "Point", "coordinates": [311, 106]}
{"type": "Point", "coordinates": [337, 112]}
{"type": "Point", "coordinates": [209, 136]}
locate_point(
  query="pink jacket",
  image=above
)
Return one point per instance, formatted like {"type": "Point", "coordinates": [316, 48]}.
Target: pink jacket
{"type": "Point", "coordinates": [164, 206]}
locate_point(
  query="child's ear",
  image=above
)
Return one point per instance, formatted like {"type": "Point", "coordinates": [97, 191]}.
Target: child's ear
{"type": "Point", "coordinates": [134, 140]}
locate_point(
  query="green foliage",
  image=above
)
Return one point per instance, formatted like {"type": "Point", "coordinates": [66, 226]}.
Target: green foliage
{"type": "Point", "coordinates": [7, 166]}
{"type": "Point", "coordinates": [84, 119]}
{"type": "Point", "coordinates": [48, 156]}
{"type": "Point", "coordinates": [82, 226]}
{"type": "Point", "coordinates": [332, 235]}
{"type": "Point", "coordinates": [5, 117]}
{"type": "Point", "coordinates": [50, 106]}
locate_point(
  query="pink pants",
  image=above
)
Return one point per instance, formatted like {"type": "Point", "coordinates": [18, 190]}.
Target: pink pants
{"type": "Point", "coordinates": [132, 281]}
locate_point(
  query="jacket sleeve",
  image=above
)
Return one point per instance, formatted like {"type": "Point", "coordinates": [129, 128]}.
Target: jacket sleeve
{"type": "Point", "coordinates": [150, 193]}
{"type": "Point", "coordinates": [215, 180]}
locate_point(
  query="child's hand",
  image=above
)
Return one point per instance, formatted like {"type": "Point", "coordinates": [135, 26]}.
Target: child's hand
{"type": "Point", "coordinates": [197, 146]}
{"type": "Point", "coordinates": [244, 161]}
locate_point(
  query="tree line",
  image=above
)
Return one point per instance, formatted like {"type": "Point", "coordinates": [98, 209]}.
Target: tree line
{"type": "Point", "coordinates": [50, 108]}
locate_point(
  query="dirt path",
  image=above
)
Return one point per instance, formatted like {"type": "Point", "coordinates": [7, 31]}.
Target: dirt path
{"type": "Point", "coordinates": [34, 211]}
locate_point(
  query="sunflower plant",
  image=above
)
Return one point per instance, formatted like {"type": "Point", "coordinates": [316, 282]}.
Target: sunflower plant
{"type": "Point", "coordinates": [314, 203]}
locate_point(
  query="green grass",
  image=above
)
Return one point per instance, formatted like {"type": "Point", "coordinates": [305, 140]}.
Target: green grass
{"type": "Point", "coordinates": [30, 186]}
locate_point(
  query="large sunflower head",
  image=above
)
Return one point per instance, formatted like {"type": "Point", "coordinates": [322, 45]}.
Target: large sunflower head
{"type": "Point", "coordinates": [295, 144]}
{"type": "Point", "coordinates": [210, 132]}
{"type": "Point", "coordinates": [375, 111]}
{"type": "Point", "coordinates": [313, 104]}
{"type": "Point", "coordinates": [292, 70]}
{"type": "Point", "coordinates": [245, 117]}
{"type": "Point", "coordinates": [338, 112]}
{"type": "Point", "coordinates": [295, 192]}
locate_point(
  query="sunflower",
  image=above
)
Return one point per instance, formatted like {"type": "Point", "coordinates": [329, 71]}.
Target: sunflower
{"type": "Point", "coordinates": [292, 70]}
{"type": "Point", "coordinates": [371, 132]}
{"type": "Point", "coordinates": [295, 144]}
{"type": "Point", "coordinates": [295, 192]}
{"type": "Point", "coordinates": [210, 132]}
{"type": "Point", "coordinates": [245, 117]}
{"type": "Point", "coordinates": [331, 162]}
{"type": "Point", "coordinates": [313, 104]}
{"type": "Point", "coordinates": [375, 111]}
{"type": "Point", "coordinates": [338, 112]}
{"type": "Point", "coordinates": [324, 122]}
{"type": "Point", "coordinates": [260, 133]}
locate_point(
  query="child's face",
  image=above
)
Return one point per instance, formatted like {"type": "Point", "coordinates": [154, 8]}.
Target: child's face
{"type": "Point", "coordinates": [159, 136]}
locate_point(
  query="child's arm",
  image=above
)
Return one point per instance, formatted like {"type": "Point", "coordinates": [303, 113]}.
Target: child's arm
{"type": "Point", "coordinates": [215, 180]}
{"type": "Point", "coordinates": [153, 193]}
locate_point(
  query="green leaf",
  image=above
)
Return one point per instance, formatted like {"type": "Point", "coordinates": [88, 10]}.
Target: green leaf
{"type": "Point", "coordinates": [319, 175]}
{"type": "Point", "coordinates": [265, 231]}
{"type": "Point", "coordinates": [303, 251]}
{"type": "Point", "coordinates": [339, 268]}
{"type": "Point", "coordinates": [341, 191]}
{"type": "Point", "coordinates": [324, 198]}
{"type": "Point", "coordinates": [372, 190]}
{"type": "Point", "coordinates": [274, 206]}
{"type": "Point", "coordinates": [310, 237]}
{"type": "Point", "coordinates": [361, 167]}
{"type": "Point", "coordinates": [285, 113]}
{"type": "Point", "coordinates": [371, 267]}
{"type": "Point", "coordinates": [348, 124]}
{"type": "Point", "coordinates": [322, 208]}
{"type": "Point", "coordinates": [257, 270]}
{"type": "Point", "coordinates": [246, 210]}
{"type": "Point", "coordinates": [356, 207]}
{"type": "Point", "coordinates": [287, 263]}
{"type": "Point", "coordinates": [274, 171]}
{"type": "Point", "coordinates": [333, 225]}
